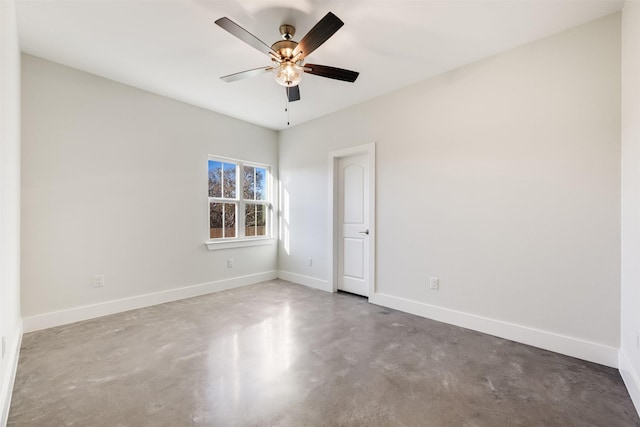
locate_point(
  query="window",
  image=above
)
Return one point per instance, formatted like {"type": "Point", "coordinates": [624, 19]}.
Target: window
{"type": "Point", "coordinates": [239, 204]}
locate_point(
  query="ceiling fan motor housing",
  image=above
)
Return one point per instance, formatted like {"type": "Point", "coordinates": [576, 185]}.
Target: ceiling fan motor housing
{"type": "Point", "coordinates": [285, 48]}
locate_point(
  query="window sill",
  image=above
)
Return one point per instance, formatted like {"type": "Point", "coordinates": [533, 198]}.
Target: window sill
{"type": "Point", "coordinates": [240, 243]}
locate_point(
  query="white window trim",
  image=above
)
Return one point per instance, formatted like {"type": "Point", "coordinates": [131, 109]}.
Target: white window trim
{"type": "Point", "coordinates": [244, 241]}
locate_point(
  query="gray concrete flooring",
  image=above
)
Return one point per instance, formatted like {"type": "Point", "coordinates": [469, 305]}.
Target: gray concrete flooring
{"type": "Point", "coordinates": [279, 354]}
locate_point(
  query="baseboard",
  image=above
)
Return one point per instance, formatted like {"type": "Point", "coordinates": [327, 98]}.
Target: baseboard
{"type": "Point", "coordinates": [300, 279]}
{"type": "Point", "coordinates": [8, 380]}
{"type": "Point", "coordinates": [631, 379]}
{"type": "Point", "coordinates": [563, 344]}
{"type": "Point", "coordinates": [76, 314]}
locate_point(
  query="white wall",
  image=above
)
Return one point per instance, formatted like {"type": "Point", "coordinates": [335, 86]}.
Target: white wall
{"type": "Point", "coordinates": [114, 182]}
{"type": "Point", "coordinates": [630, 319]}
{"type": "Point", "coordinates": [501, 178]}
{"type": "Point", "coordinates": [10, 320]}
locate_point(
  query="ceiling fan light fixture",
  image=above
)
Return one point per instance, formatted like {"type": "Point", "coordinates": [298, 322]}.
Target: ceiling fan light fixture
{"type": "Point", "coordinates": [288, 74]}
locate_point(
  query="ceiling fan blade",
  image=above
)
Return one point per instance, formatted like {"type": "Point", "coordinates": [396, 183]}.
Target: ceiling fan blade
{"type": "Point", "coordinates": [293, 93]}
{"type": "Point", "coordinates": [245, 74]}
{"type": "Point", "coordinates": [319, 34]}
{"type": "Point", "coordinates": [244, 35]}
{"type": "Point", "coordinates": [331, 72]}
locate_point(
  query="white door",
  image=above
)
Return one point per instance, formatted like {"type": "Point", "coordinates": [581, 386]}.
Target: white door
{"type": "Point", "coordinates": [353, 224]}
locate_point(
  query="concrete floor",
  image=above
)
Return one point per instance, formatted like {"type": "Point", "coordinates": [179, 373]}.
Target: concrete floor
{"type": "Point", "coordinates": [278, 354]}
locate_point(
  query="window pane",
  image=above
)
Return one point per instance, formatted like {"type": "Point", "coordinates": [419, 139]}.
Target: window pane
{"type": "Point", "coordinates": [261, 184]}
{"type": "Point", "coordinates": [250, 220]}
{"type": "Point", "coordinates": [261, 220]}
{"type": "Point", "coordinates": [254, 183]}
{"type": "Point", "coordinates": [230, 219]}
{"type": "Point", "coordinates": [215, 220]}
{"type": "Point", "coordinates": [248, 183]}
{"type": "Point", "coordinates": [229, 187]}
{"type": "Point", "coordinates": [255, 221]}
{"type": "Point", "coordinates": [215, 179]}
{"type": "Point", "coordinates": [222, 220]}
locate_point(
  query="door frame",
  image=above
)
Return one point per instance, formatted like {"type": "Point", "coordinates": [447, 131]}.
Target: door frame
{"type": "Point", "coordinates": [334, 157]}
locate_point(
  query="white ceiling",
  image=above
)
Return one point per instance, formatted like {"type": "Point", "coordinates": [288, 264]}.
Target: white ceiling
{"type": "Point", "coordinates": [173, 48]}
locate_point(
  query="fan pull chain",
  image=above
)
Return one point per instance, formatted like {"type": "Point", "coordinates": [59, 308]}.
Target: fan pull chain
{"type": "Point", "coordinates": [286, 109]}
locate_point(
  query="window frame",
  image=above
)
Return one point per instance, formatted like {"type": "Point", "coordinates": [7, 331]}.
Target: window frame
{"type": "Point", "coordinates": [240, 202]}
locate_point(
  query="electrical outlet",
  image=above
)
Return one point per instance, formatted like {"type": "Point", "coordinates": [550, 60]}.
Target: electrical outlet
{"type": "Point", "coordinates": [434, 283]}
{"type": "Point", "coordinates": [229, 262]}
{"type": "Point", "coordinates": [98, 281]}
{"type": "Point", "coordinates": [309, 262]}
{"type": "Point", "coordinates": [4, 346]}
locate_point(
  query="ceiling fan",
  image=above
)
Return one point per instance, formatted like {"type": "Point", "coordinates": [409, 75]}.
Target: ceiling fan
{"type": "Point", "coordinates": [287, 55]}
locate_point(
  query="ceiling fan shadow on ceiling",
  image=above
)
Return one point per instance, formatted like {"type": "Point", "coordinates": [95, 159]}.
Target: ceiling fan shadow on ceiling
{"type": "Point", "coordinates": [287, 56]}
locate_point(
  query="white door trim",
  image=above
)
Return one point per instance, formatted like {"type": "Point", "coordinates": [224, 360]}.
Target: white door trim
{"type": "Point", "coordinates": [334, 156]}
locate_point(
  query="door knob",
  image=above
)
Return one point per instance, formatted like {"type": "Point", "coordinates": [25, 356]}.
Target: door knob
{"type": "Point", "coordinates": [364, 232]}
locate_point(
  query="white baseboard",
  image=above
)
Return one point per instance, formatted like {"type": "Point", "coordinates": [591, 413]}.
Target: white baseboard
{"type": "Point", "coordinates": [631, 379]}
{"type": "Point", "coordinates": [563, 344]}
{"type": "Point", "coordinates": [76, 314]}
{"type": "Point", "coordinates": [13, 354]}
{"type": "Point", "coordinates": [300, 279]}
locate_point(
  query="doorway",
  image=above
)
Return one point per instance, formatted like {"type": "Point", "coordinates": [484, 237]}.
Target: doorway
{"type": "Point", "coordinates": [352, 219]}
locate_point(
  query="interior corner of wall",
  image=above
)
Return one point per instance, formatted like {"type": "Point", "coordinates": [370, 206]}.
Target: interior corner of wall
{"type": "Point", "coordinates": [7, 378]}
{"type": "Point", "coordinates": [630, 377]}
